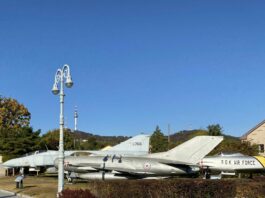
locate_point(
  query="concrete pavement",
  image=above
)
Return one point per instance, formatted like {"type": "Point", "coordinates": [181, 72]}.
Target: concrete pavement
{"type": "Point", "coordinates": [6, 194]}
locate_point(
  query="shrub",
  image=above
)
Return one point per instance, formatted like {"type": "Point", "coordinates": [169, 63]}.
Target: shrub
{"type": "Point", "coordinates": [67, 193]}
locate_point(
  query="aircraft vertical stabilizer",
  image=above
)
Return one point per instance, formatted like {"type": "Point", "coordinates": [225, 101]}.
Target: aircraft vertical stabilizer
{"type": "Point", "coordinates": [138, 145]}
{"type": "Point", "coordinates": [191, 151]}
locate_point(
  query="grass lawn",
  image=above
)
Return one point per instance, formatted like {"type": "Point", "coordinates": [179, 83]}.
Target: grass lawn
{"type": "Point", "coordinates": [41, 186]}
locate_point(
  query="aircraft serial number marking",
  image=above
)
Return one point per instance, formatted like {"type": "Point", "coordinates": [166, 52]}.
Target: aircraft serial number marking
{"type": "Point", "coordinates": [238, 162]}
{"type": "Point", "coordinates": [137, 143]}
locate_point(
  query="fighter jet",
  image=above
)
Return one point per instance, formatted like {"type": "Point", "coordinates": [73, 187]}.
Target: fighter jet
{"type": "Point", "coordinates": [138, 145]}
{"type": "Point", "coordinates": [180, 160]}
{"type": "Point", "coordinates": [231, 164]}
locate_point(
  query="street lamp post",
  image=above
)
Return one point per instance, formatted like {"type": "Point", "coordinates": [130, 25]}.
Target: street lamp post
{"type": "Point", "coordinates": [60, 76]}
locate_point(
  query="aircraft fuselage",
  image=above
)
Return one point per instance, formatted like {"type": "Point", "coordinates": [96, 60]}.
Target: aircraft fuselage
{"type": "Point", "coordinates": [234, 163]}
{"type": "Point", "coordinates": [133, 165]}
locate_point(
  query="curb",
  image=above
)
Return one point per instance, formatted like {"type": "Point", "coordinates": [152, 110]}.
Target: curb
{"type": "Point", "coordinates": [22, 195]}
{"type": "Point", "coordinates": [16, 194]}
{"type": "Point", "coordinates": [9, 192]}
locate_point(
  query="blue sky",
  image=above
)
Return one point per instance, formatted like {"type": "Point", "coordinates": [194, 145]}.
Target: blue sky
{"type": "Point", "coordinates": [137, 64]}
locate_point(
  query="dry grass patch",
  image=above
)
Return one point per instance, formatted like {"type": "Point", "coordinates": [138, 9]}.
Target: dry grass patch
{"type": "Point", "coordinates": [40, 187]}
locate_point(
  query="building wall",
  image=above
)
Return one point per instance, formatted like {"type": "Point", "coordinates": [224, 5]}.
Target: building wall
{"type": "Point", "coordinates": [257, 136]}
{"type": "Point", "coordinates": [2, 170]}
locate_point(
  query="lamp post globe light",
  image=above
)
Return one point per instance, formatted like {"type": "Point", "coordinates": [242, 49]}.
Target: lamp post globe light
{"type": "Point", "coordinates": [60, 76]}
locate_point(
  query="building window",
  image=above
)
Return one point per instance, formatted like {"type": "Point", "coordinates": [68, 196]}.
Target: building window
{"type": "Point", "coordinates": [261, 148]}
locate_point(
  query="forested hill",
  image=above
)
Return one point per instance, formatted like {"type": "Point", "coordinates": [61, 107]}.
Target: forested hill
{"type": "Point", "coordinates": [185, 135]}
{"type": "Point", "coordinates": [229, 144]}
{"type": "Point", "coordinates": [108, 140]}
{"type": "Point", "coordinates": [176, 138]}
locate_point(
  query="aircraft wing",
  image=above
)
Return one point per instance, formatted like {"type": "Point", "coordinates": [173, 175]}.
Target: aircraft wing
{"type": "Point", "coordinates": [175, 162]}
{"type": "Point", "coordinates": [165, 161]}
{"type": "Point", "coordinates": [129, 172]}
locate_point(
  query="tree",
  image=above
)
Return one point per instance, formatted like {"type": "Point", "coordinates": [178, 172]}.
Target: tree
{"type": "Point", "coordinates": [92, 144]}
{"type": "Point", "coordinates": [234, 145]}
{"type": "Point", "coordinates": [215, 130]}
{"type": "Point", "coordinates": [51, 139]}
{"type": "Point", "coordinates": [16, 137]}
{"type": "Point", "coordinates": [16, 142]}
{"type": "Point", "coordinates": [13, 115]}
{"type": "Point", "coordinates": [158, 141]}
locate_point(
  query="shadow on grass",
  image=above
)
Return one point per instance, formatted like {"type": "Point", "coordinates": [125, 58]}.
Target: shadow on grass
{"type": "Point", "coordinates": [29, 186]}
{"type": "Point", "coordinates": [25, 187]}
{"type": "Point", "coordinates": [77, 182]}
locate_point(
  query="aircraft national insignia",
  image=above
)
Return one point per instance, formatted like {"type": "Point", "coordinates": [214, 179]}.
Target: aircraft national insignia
{"type": "Point", "coordinates": [147, 166]}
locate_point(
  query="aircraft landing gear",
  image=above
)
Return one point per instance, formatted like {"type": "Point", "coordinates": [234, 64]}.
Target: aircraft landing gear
{"type": "Point", "coordinates": [207, 173]}
{"type": "Point", "coordinates": [69, 178]}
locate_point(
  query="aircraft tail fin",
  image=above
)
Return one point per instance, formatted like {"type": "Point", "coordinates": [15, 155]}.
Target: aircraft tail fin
{"type": "Point", "coordinates": [137, 145]}
{"type": "Point", "coordinates": [193, 150]}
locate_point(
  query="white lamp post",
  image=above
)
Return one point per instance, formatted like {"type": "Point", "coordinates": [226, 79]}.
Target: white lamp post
{"type": "Point", "coordinates": [60, 76]}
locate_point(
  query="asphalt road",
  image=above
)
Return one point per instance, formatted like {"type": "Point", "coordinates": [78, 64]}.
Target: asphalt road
{"type": "Point", "coordinates": [4, 194]}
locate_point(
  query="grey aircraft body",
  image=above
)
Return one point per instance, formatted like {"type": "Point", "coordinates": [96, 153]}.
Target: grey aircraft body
{"type": "Point", "coordinates": [231, 164]}
{"type": "Point", "coordinates": [36, 161]}
{"type": "Point", "coordinates": [138, 145]}
{"type": "Point", "coordinates": [182, 159]}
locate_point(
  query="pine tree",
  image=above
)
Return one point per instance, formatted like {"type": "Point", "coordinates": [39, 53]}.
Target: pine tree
{"type": "Point", "coordinates": [16, 142]}
{"type": "Point", "coordinates": [215, 130]}
{"type": "Point", "coordinates": [158, 141]}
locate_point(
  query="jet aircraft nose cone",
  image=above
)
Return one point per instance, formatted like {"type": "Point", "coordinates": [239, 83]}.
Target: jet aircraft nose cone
{"type": "Point", "coordinates": [8, 163]}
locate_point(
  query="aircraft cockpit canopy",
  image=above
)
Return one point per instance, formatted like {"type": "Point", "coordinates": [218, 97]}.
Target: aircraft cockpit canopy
{"type": "Point", "coordinates": [80, 153]}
